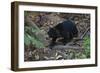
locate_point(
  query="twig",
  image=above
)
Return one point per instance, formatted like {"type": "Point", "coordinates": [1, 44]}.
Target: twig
{"type": "Point", "coordinates": [82, 36]}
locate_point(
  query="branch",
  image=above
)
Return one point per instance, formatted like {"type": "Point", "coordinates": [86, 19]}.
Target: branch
{"type": "Point", "coordinates": [67, 47]}
{"type": "Point", "coordinates": [82, 36]}
{"type": "Point", "coordinates": [85, 33]}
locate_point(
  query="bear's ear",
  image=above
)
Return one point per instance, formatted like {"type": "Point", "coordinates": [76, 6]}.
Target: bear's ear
{"type": "Point", "coordinates": [50, 26]}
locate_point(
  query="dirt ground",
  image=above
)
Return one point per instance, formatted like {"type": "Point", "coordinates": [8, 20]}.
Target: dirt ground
{"type": "Point", "coordinates": [43, 21]}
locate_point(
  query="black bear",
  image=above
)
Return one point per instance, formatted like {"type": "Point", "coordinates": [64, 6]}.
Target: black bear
{"type": "Point", "coordinates": [65, 30]}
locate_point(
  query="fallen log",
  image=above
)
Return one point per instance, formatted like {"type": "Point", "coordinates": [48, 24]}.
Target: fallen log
{"type": "Point", "coordinates": [67, 47]}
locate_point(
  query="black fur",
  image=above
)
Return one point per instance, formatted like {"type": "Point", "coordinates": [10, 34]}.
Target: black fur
{"type": "Point", "coordinates": [66, 30]}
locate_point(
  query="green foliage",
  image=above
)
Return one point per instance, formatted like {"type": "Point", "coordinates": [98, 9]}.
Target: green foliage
{"type": "Point", "coordinates": [31, 37]}
{"type": "Point", "coordinates": [86, 44]}
{"type": "Point", "coordinates": [86, 52]}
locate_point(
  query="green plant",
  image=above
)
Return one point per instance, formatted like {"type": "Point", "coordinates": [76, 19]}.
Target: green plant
{"type": "Point", "coordinates": [86, 44]}
{"type": "Point", "coordinates": [30, 36]}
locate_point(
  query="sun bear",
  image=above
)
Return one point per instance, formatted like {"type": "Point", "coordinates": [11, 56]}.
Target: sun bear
{"type": "Point", "coordinates": [66, 30]}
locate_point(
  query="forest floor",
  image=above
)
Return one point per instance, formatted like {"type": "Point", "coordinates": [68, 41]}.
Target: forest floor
{"type": "Point", "coordinates": [37, 50]}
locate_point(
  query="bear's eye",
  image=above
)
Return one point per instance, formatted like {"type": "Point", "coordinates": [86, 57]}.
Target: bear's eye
{"type": "Point", "coordinates": [47, 38]}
